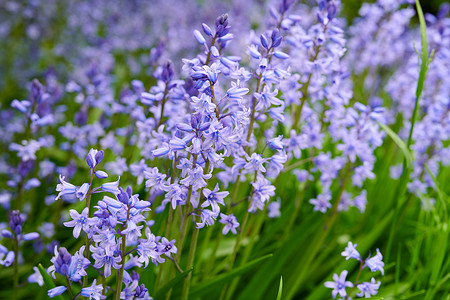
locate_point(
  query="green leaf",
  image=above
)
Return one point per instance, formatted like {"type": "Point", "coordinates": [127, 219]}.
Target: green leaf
{"type": "Point", "coordinates": [400, 143]}
{"type": "Point", "coordinates": [168, 286]}
{"type": "Point", "coordinates": [48, 280]}
{"type": "Point", "coordinates": [218, 281]}
{"type": "Point", "coordinates": [280, 289]}
{"type": "Point", "coordinates": [442, 196]}
{"type": "Point", "coordinates": [424, 64]}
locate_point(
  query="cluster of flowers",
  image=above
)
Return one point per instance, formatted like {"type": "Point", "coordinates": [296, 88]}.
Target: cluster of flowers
{"type": "Point", "coordinates": [211, 123]}
{"type": "Point", "coordinates": [367, 289]}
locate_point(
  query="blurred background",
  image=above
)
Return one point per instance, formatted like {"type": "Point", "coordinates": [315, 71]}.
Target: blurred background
{"type": "Point", "coordinates": [38, 36]}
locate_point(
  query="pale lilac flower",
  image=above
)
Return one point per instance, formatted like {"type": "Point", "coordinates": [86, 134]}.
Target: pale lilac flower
{"type": "Point", "coordinates": [321, 203]}
{"type": "Point", "coordinates": [274, 209]}
{"type": "Point", "coordinates": [94, 291]}
{"type": "Point", "coordinates": [80, 221]}
{"type": "Point", "coordinates": [230, 222]}
{"type": "Point", "coordinates": [94, 157]}
{"type": "Point", "coordinates": [339, 284]}
{"type": "Point", "coordinates": [214, 198]}
{"type": "Point", "coordinates": [375, 263]}
{"type": "Point", "coordinates": [368, 289]}
{"type": "Point", "coordinates": [56, 291]}
{"type": "Point", "coordinates": [111, 187]}
{"type": "Point", "coordinates": [351, 252]}
{"type": "Point", "coordinates": [36, 277]}
{"type": "Point", "coordinates": [166, 247]}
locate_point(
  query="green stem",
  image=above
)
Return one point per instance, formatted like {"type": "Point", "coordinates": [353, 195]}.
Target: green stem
{"type": "Point", "coordinates": [356, 281]}
{"type": "Point", "coordinates": [120, 272]}
{"type": "Point", "coordinates": [317, 243]}
{"type": "Point", "coordinates": [190, 264]}
{"type": "Point", "coordinates": [69, 289]}
{"type": "Point", "coordinates": [16, 267]}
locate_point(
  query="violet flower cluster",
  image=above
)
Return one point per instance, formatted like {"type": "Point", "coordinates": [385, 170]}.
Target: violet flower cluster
{"type": "Point", "coordinates": [367, 289]}
{"type": "Point", "coordinates": [200, 117]}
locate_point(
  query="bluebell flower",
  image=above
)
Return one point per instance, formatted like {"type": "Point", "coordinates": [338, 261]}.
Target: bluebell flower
{"type": "Point", "coordinates": [195, 178]}
{"type": "Point", "coordinates": [230, 222]}
{"type": "Point", "coordinates": [214, 198]}
{"type": "Point", "coordinates": [166, 247]}
{"type": "Point", "coordinates": [26, 151]}
{"type": "Point", "coordinates": [94, 157]}
{"type": "Point", "coordinates": [351, 252]}
{"type": "Point", "coordinates": [148, 249]}
{"type": "Point", "coordinates": [106, 256]}
{"type": "Point", "coordinates": [94, 291]}
{"type": "Point", "coordinates": [80, 221]}
{"type": "Point", "coordinates": [274, 209]}
{"type": "Point", "coordinates": [199, 37]}
{"type": "Point", "coordinates": [9, 259]}
{"type": "Point", "coordinates": [111, 187]}
{"type": "Point", "coordinates": [82, 191]}
{"type": "Point", "coordinates": [376, 263]}
{"type": "Point", "coordinates": [368, 289]}
{"type": "Point", "coordinates": [61, 262]}
{"type": "Point", "coordinates": [56, 291]}
{"type": "Point", "coordinates": [339, 284]}
{"type": "Point", "coordinates": [36, 277]}
{"type": "Point", "coordinates": [208, 217]}
{"type": "Point", "coordinates": [262, 191]}
{"type": "Point", "coordinates": [255, 163]}
{"type": "Point", "coordinates": [65, 188]}
{"type": "Point", "coordinates": [322, 202]}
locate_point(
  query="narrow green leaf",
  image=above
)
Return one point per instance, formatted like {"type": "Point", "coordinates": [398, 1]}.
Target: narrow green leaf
{"type": "Point", "coordinates": [218, 281]}
{"type": "Point", "coordinates": [400, 143]}
{"type": "Point", "coordinates": [280, 289]}
{"type": "Point", "coordinates": [424, 64]}
{"type": "Point", "coordinates": [165, 289]}
{"type": "Point", "coordinates": [442, 196]}
{"type": "Point", "coordinates": [48, 280]}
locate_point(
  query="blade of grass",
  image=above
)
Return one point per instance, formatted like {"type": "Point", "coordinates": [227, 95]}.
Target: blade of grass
{"type": "Point", "coordinates": [160, 294]}
{"type": "Point", "coordinates": [280, 288]}
{"type": "Point", "coordinates": [217, 282]}
{"type": "Point", "coordinates": [48, 280]}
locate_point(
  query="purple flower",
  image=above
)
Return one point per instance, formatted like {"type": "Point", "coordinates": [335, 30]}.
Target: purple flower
{"type": "Point", "coordinates": [214, 198]}
{"type": "Point", "coordinates": [339, 284]}
{"type": "Point", "coordinates": [351, 252]}
{"type": "Point", "coordinates": [65, 188]}
{"type": "Point", "coordinates": [80, 221]}
{"type": "Point", "coordinates": [94, 157]}
{"type": "Point", "coordinates": [368, 289]}
{"type": "Point", "coordinates": [166, 247]}
{"type": "Point", "coordinates": [111, 187]}
{"type": "Point", "coordinates": [375, 263]}
{"type": "Point", "coordinates": [274, 210]}
{"type": "Point", "coordinates": [36, 277]}
{"type": "Point", "coordinates": [106, 257]}
{"type": "Point", "coordinates": [321, 203]}
{"type": "Point", "coordinates": [255, 163]}
{"type": "Point", "coordinates": [230, 222]}
{"type": "Point", "coordinates": [56, 291]}
{"type": "Point", "coordinates": [94, 291]}
{"type": "Point", "coordinates": [196, 178]}
{"type": "Point", "coordinates": [208, 217]}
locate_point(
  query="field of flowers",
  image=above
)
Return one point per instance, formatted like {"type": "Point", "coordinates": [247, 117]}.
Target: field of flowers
{"type": "Point", "coordinates": [238, 150]}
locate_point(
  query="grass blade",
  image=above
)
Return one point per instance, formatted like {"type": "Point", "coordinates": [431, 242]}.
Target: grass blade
{"type": "Point", "coordinates": [218, 281]}
{"type": "Point", "coordinates": [48, 281]}
{"type": "Point", "coordinates": [163, 291]}
{"type": "Point", "coordinates": [400, 143]}
{"type": "Point", "coordinates": [280, 289]}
